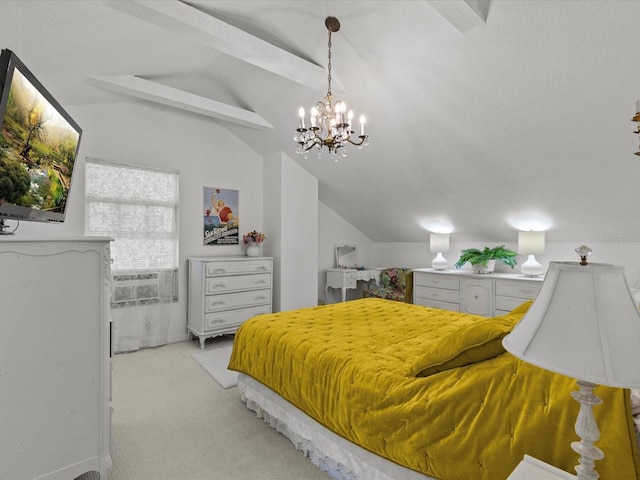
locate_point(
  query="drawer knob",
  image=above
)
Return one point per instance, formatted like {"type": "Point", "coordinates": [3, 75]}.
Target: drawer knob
{"type": "Point", "coordinates": [219, 270]}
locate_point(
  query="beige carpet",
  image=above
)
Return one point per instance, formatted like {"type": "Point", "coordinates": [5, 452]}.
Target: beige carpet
{"type": "Point", "coordinates": [172, 421]}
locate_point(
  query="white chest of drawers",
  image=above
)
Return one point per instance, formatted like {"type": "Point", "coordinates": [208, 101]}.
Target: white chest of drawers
{"type": "Point", "coordinates": [462, 291]}
{"type": "Point", "coordinates": [55, 345]}
{"type": "Point", "coordinates": [226, 291]}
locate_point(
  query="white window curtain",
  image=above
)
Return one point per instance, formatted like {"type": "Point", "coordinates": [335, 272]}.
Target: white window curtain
{"type": "Point", "coordinates": [137, 207]}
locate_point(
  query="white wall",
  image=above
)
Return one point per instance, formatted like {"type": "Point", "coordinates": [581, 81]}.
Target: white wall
{"type": "Point", "coordinates": [272, 208]}
{"type": "Point", "coordinates": [205, 154]}
{"type": "Point", "coordinates": [291, 217]}
{"type": "Point", "coordinates": [333, 230]}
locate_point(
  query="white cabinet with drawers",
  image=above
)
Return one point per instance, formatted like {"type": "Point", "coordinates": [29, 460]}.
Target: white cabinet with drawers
{"type": "Point", "coordinates": [477, 296]}
{"type": "Point", "coordinates": [438, 291]}
{"type": "Point", "coordinates": [226, 291]}
{"type": "Point", "coordinates": [510, 294]}
{"type": "Point", "coordinates": [55, 345]}
{"type": "Point", "coordinates": [464, 291]}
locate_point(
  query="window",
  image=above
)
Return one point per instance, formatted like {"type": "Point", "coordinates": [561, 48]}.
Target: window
{"type": "Point", "coordinates": [137, 207]}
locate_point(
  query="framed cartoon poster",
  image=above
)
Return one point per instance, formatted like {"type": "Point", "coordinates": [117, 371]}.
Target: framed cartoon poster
{"type": "Point", "coordinates": [220, 208]}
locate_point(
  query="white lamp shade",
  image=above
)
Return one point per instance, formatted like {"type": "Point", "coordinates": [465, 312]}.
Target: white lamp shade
{"type": "Point", "coordinates": [439, 242]}
{"type": "Point", "coordinates": [531, 243]}
{"type": "Point", "coordinates": [583, 324]}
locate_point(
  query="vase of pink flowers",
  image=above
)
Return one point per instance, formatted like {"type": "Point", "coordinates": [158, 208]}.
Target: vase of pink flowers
{"type": "Point", "coordinates": [253, 240]}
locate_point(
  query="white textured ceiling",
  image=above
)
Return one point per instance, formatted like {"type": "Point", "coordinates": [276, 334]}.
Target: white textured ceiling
{"type": "Point", "coordinates": [484, 117]}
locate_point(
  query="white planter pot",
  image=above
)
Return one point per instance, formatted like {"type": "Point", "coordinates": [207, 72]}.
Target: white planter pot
{"type": "Point", "coordinates": [480, 268]}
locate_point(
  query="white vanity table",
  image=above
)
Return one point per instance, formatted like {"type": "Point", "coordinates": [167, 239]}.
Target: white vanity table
{"type": "Point", "coordinates": [346, 278]}
{"type": "Point", "coordinates": [347, 274]}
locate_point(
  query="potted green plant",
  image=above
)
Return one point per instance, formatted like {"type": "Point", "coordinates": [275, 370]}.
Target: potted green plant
{"type": "Point", "coordinates": [483, 261]}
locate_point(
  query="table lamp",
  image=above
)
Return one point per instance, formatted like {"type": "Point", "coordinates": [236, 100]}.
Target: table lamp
{"type": "Point", "coordinates": [439, 243]}
{"type": "Point", "coordinates": [532, 244]}
{"type": "Point", "coordinates": [583, 324]}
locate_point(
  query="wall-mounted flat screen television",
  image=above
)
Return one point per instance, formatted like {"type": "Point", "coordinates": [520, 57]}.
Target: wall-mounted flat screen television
{"type": "Point", "coordinates": [39, 143]}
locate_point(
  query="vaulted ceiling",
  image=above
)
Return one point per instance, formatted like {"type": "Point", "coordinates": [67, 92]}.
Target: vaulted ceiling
{"type": "Point", "coordinates": [484, 117]}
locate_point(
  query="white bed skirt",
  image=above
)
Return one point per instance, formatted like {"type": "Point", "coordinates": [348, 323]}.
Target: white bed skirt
{"type": "Point", "coordinates": [340, 458]}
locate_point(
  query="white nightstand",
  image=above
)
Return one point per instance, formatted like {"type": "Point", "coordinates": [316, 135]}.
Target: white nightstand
{"type": "Point", "coordinates": [533, 469]}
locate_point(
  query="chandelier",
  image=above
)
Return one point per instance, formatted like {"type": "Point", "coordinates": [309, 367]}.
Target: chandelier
{"type": "Point", "coordinates": [330, 124]}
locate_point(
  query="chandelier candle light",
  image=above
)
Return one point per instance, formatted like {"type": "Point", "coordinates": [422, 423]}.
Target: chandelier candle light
{"type": "Point", "coordinates": [330, 124]}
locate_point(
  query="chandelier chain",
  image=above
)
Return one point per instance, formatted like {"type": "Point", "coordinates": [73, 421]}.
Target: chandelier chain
{"type": "Point", "coordinates": [329, 66]}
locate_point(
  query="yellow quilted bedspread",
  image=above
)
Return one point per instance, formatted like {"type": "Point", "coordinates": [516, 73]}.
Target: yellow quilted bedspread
{"type": "Point", "coordinates": [353, 367]}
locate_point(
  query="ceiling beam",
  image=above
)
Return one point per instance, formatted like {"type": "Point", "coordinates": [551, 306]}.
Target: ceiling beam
{"type": "Point", "coordinates": [155, 92]}
{"type": "Point", "coordinates": [190, 22]}
{"type": "Point", "coordinates": [462, 14]}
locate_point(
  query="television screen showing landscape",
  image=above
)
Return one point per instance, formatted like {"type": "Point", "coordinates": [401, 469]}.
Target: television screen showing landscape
{"type": "Point", "coordinates": [37, 150]}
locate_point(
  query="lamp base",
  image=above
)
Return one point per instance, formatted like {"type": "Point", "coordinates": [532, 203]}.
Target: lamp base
{"type": "Point", "coordinates": [440, 263]}
{"type": "Point", "coordinates": [532, 268]}
{"type": "Point", "coordinates": [587, 430]}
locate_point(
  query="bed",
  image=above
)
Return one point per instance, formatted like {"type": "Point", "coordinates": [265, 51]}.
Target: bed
{"type": "Point", "coordinates": [375, 389]}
